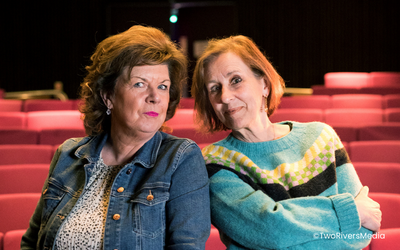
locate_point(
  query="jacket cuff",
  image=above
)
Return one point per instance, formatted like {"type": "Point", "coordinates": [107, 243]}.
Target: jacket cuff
{"type": "Point", "coordinates": [346, 211]}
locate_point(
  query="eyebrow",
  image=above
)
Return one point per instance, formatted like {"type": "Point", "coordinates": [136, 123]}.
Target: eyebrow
{"type": "Point", "coordinates": [227, 75]}
{"type": "Point", "coordinates": [145, 80]}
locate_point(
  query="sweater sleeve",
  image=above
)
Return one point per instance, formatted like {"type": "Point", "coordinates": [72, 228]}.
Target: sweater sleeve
{"type": "Point", "coordinates": [256, 221]}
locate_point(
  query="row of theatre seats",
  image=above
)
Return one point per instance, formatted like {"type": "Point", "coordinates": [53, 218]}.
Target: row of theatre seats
{"type": "Point", "coordinates": [359, 83]}
{"type": "Point", "coordinates": [26, 148]}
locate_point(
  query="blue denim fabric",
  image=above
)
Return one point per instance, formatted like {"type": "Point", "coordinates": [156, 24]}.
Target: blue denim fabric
{"type": "Point", "coordinates": [172, 169]}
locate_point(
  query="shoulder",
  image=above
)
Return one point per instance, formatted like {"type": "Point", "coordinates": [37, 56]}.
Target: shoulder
{"type": "Point", "coordinates": [73, 143]}
{"type": "Point", "coordinates": [178, 145]}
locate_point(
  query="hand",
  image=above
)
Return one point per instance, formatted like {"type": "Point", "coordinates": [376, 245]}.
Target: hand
{"type": "Point", "coordinates": [369, 210]}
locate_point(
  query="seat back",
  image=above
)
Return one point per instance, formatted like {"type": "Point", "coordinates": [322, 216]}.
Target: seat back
{"type": "Point", "coordinates": [392, 115]}
{"type": "Point", "coordinates": [385, 131]}
{"type": "Point", "coordinates": [391, 101]}
{"type": "Point", "coordinates": [12, 239]}
{"type": "Point", "coordinates": [16, 210]}
{"type": "Point", "coordinates": [12, 120]}
{"type": "Point", "coordinates": [25, 154]}
{"type": "Point", "coordinates": [299, 115]}
{"type": "Point", "coordinates": [375, 151]}
{"type": "Point", "coordinates": [379, 176]}
{"type": "Point", "coordinates": [214, 241]}
{"type": "Point", "coordinates": [8, 105]}
{"type": "Point", "coordinates": [54, 119]}
{"type": "Point", "coordinates": [347, 79]}
{"type": "Point", "coordinates": [186, 103]}
{"type": "Point", "coordinates": [384, 79]}
{"type": "Point", "coordinates": [389, 204]}
{"type": "Point", "coordinates": [357, 101]}
{"type": "Point", "coordinates": [182, 118]}
{"type": "Point", "coordinates": [386, 239]}
{"type": "Point", "coordinates": [48, 104]}
{"type": "Point", "coordinates": [54, 136]}
{"type": "Point", "coordinates": [22, 178]}
{"type": "Point", "coordinates": [18, 136]}
{"type": "Point", "coordinates": [353, 117]}
{"type": "Point", "coordinates": [308, 102]}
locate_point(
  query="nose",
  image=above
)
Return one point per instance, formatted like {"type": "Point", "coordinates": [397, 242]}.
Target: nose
{"type": "Point", "coordinates": [153, 95]}
{"type": "Point", "coordinates": [226, 95]}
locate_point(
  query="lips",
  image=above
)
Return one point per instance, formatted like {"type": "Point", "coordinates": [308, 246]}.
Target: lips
{"type": "Point", "coordinates": [232, 111]}
{"type": "Point", "coordinates": [151, 113]}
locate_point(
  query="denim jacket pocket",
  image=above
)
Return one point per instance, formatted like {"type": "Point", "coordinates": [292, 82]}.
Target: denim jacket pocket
{"type": "Point", "coordinates": [52, 196]}
{"type": "Point", "coordinates": [149, 210]}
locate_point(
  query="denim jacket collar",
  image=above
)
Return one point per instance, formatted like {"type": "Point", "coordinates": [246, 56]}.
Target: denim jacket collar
{"type": "Point", "coordinates": [145, 156]}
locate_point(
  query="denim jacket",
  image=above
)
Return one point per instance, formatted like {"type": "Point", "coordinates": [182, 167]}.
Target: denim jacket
{"type": "Point", "coordinates": [173, 169]}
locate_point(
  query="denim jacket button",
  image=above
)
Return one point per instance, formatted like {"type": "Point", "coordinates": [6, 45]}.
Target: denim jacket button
{"type": "Point", "coordinates": [150, 197]}
{"type": "Point", "coordinates": [120, 189]}
{"type": "Point", "coordinates": [116, 217]}
{"type": "Point", "coordinates": [129, 171]}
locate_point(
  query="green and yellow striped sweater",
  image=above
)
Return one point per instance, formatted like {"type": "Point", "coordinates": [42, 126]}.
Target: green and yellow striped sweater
{"type": "Point", "coordinates": [279, 194]}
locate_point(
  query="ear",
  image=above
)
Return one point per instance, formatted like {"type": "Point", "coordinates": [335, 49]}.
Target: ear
{"type": "Point", "coordinates": [106, 99]}
{"type": "Point", "coordinates": [265, 90]}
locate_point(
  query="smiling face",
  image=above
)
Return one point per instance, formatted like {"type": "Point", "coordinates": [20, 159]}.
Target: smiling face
{"type": "Point", "coordinates": [236, 93]}
{"type": "Point", "coordinates": [140, 105]}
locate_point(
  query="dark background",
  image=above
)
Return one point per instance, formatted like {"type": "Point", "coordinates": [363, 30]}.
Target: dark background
{"type": "Point", "coordinates": [43, 42]}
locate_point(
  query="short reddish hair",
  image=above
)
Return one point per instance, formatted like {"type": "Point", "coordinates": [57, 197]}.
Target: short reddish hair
{"type": "Point", "coordinates": [251, 55]}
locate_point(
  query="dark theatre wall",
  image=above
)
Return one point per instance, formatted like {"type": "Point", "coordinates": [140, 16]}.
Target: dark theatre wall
{"type": "Point", "coordinates": [46, 42]}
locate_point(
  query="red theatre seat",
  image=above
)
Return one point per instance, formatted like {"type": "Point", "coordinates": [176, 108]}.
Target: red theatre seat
{"type": "Point", "coordinates": [357, 101]}
{"type": "Point", "coordinates": [384, 79]}
{"type": "Point", "coordinates": [386, 239]}
{"type": "Point", "coordinates": [18, 136]}
{"type": "Point", "coordinates": [299, 115]}
{"type": "Point", "coordinates": [347, 80]}
{"type": "Point", "coordinates": [26, 154]}
{"type": "Point", "coordinates": [198, 137]}
{"type": "Point", "coordinates": [182, 118]}
{"type": "Point", "coordinates": [375, 151]}
{"type": "Point", "coordinates": [214, 242]}
{"type": "Point", "coordinates": [12, 239]}
{"type": "Point", "coordinates": [48, 104]}
{"type": "Point", "coordinates": [54, 119]}
{"type": "Point", "coordinates": [186, 103]}
{"type": "Point", "coordinates": [308, 102]}
{"type": "Point", "coordinates": [55, 136]}
{"type": "Point", "coordinates": [7, 105]}
{"type": "Point", "coordinates": [392, 115]}
{"type": "Point", "coordinates": [379, 176]}
{"type": "Point", "coordinates": [22, 178]}
{"type": "Point", "coordinates": [390, 204]}
{"type": "Point", "coordinates": [355, 117]}
{"type": "Point", "coordinates": [385, 131]}
{"type": "Point", "coordinates": [12, 120]}
{"type": "Point", "coordinates": [391, 101]}
{"type": "Point", "coordinates": [346, 133]}
{"type": "Point", "coordinates": [16, 210]}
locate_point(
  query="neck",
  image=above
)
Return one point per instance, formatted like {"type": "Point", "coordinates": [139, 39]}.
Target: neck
{"type": "Point", "coordinates": [120, 147]}
{"type": "Point", "coordinates": [263, 130]}
{"type": "Point", "coordinates": [260, 134]}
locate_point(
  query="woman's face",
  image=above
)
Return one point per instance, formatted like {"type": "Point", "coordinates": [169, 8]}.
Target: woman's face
{"type": "Point", "coordinates": [235, 93]}
{"type": "Point", "coordinates": [140, 105]}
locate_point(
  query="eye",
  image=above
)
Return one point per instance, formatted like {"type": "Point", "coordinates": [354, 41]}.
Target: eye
{"type": "Point", "coordinates": [215, 88]}
{"type": "Point", "coordinates": [138, 85]}
{"type": "Point", "coordinates": [163, 87]}
{"type": "Point", "coordinates": [236, 80]}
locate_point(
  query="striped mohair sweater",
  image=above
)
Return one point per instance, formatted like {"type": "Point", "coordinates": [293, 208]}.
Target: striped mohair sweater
{"type": "Point", "coordinates": [296, 192]}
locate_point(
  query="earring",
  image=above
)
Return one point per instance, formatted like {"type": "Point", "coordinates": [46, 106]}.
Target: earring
{"type": "Point", "coordinates": [108, 112]}
{"type": "Point", "coordinates": [266, 104]}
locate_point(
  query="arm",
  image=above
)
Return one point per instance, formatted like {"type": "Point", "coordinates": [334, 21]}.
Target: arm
{"type": "Point", "coordinates": [188, 210]}
{"type": "Point", "coordinates": [30, 238]}
{"type": "Point", "coordinates": [255, 221]}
